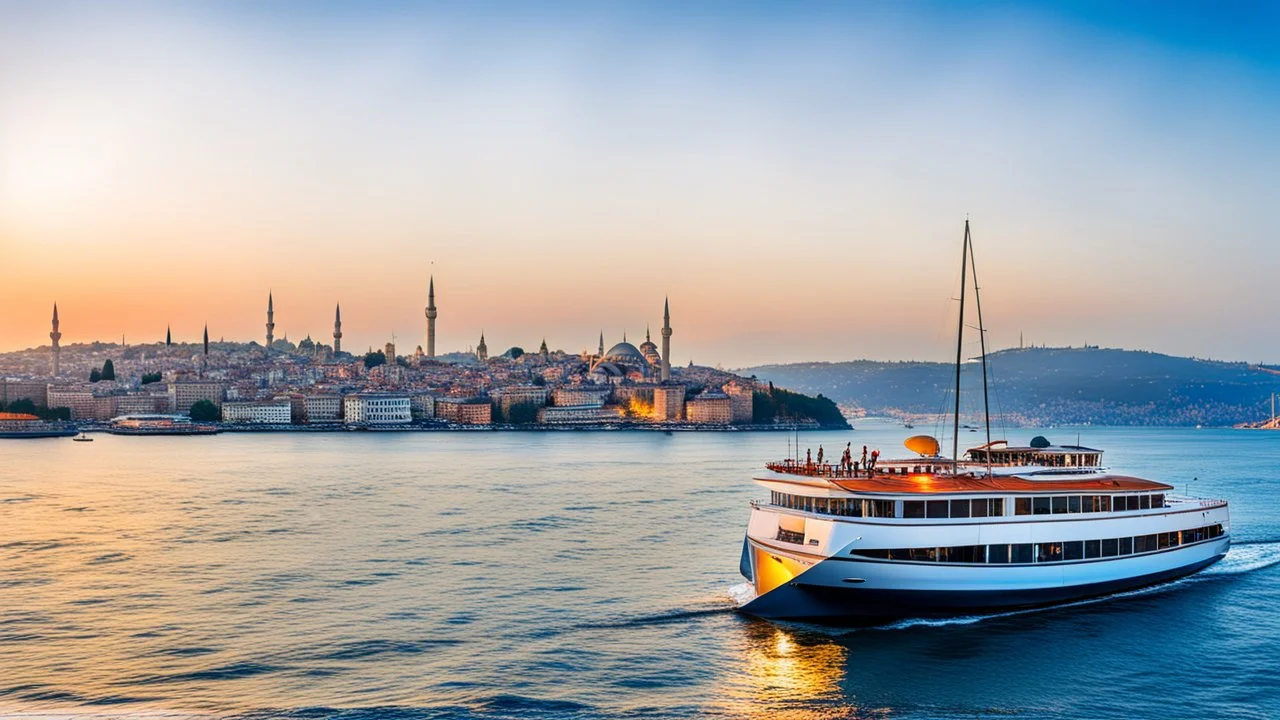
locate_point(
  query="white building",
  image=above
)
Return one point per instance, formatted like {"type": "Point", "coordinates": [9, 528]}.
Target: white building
{"type": "Point", "coordinates": [371, 409]}
{"type": "Point", "coordinates": [322, 408]}
{"type": "Point", "coordinates": [265, 412]}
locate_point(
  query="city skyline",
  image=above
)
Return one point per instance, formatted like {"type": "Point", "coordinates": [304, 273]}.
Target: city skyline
{"type": "Point", "coordinates": [797, 177]}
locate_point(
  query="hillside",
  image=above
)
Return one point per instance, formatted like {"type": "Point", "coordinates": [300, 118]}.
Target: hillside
{"type": "Point", "coordinates": [1047, 386]}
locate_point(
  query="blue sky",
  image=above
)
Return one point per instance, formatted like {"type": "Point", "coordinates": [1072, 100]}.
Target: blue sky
{"type": "Point", "coordinates": [795, 176]}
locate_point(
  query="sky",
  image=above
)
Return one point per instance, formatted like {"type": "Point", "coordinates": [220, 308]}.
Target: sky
{"type": "Point", "coordinates": [794, 176]}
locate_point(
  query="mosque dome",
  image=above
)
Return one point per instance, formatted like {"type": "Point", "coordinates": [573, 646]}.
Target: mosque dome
{"type": "Point", "coordinates": [625, 353]}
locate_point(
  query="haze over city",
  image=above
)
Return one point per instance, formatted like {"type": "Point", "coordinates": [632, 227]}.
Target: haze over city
{"type": "Point", "coordinates": [795, 179]}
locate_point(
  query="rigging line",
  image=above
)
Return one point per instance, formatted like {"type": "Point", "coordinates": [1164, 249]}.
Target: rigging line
{"type": "Point", "coordinates": [964, 269]}
{"type": "Point", "coordinates": [982, 336]}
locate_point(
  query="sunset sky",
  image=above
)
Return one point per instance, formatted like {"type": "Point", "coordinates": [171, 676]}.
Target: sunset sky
{"type": "Point", "coordinates": [795, 177]}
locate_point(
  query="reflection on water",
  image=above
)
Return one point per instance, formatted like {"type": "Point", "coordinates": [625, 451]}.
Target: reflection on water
{"type": "Point", "coordinates": [549, 575]}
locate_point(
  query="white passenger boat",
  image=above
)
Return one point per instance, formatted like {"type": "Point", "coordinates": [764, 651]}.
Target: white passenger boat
{"type": "Point", "coordinates": [999, 528]}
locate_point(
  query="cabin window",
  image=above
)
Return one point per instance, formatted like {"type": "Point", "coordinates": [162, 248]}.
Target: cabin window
{"type": "Point", "coordinates": [1040, 506]}
{"type": "Point", "coordinates": [1073, 504]}
{"type": "Point", "coordinates": [1073, 550]}
{"type": "Point", "coordinates": [960, 508]}
{"type": "Point", "coordinates": [1092, 548]}
{"type": "Point", "coordinates": [924, 554]}
{"type": "Point", "coordinates": [1157, 501]}
{"type": "Point", "coordinates": [997, 507]}
{"type": "Point", "coordinates": [1162, 540]}
{"type": "Point", "coordinates": [1022, 552]}
{"type": "Point", "coordinates": [936, 508]}
{"type": "Point", "coordinates": [1144, 502]}
{"type": "Point", "coordinates": [998, 554]}
{"type": "Point", "coordinates": [1110, 547]}
{"type": "Point", "coordinates": [900, 554]}
{"type": "Point", "coordinates": [1126, 546]}
{"type": "Point", "coordinates": [1049, 552]}
{"type": "Point", "coordinates": [1105, 502]}
{"type": "Point", "coordinates": [913, 509]}
{"type": "Point", "coordinates": [1022, 506]}
{"type": "Point", "coordinates": [1059, 504]}
{"type": "Point", "coordinates": [877, 554]}
{"type": "Point", "coordinates": [880, 508]}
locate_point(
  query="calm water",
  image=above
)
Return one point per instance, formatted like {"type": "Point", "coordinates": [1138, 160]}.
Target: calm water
{"type": "Point", "coordinates": [542, 575]}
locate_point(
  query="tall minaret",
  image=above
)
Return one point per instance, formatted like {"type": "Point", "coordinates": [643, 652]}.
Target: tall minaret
{"type": "Point", "coordinates": [431, 317]}
{"type": "Point", "coordinates": [337, 329]}
{"type": "Point", "coordinates": [55, 336]}
{"type": "Point", "coordinates": [600, 352]}
{"type": "Point", "coordinates": [271, 321]}
{"type": "Point", "coordinates": [666, 340]}
{"type": "Point", "coordinates": [204, 361]}
{"type": "Point", "coordinates": [168, 336]}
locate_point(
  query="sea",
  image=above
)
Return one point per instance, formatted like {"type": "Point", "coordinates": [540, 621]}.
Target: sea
{"type": "Point", "coordinates": [558, 575]}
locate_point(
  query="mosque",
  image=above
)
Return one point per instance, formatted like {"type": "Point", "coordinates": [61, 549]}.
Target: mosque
{"type": "Point", "coordinates": [625, 361]}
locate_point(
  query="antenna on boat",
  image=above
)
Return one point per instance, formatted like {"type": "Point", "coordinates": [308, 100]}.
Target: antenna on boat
{"type": "Point", "coordinates": [982, 337]}
{"type": "Point", "coordinates": [955, 428]}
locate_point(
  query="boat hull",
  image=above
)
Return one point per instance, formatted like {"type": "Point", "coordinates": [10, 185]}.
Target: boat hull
{"type": "Point", "coordinates": [36, 434]}
{"type": "Point", "coordinates": [840, 591]}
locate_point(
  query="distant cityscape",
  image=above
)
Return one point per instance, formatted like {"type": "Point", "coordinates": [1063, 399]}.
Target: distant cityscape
{"type": "Point", "coordinates": [313, 385]}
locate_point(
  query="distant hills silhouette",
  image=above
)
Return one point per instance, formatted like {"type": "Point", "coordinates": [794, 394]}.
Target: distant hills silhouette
{"type": "Point", "coordinates": [1050, 386]}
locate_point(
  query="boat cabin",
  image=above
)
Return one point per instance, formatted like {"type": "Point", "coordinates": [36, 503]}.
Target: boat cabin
{"type": "Point", "coordinates": [1038, 454]}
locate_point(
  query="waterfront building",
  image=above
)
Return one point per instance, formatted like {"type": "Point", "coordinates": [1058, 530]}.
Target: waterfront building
{"type": "Point", "coordinates": [141, 404]}
{"type": "Point", "coordinates": [323, 408]}
{"type": "Point", "coordinates": [578, 415]}
{"type": "Point", "coordinates": [742, 397]}
{"type": "Point", "coordinates": [183, 395]}
{"type": "Point", "coordinates": [79, 400]}
{"type": "Point", "coordinates": [422, 406]}
{"type": "Point", "coordinates": [259, 412]}
{"type": "Point", "coordinates": [520, 395]}
{"type": "Point", "coordinates": [668, 402]}
{"type": "Point", "coordinates": [376, 409]}
{"type": "Point", "coordinates": [711, 407]}
{"type": "Point", "coordinates": [337, 329]}
{"type": "Point", "coordinates": [55, 351]}
{"type": "Point", "coordinates": [37, 391]}
{"type": "Point", "coordinates": [431, 317]}
{"type": "Point", "coordinates": [579, 396]}
{"type": "Point", "coordinates": [464, 411]}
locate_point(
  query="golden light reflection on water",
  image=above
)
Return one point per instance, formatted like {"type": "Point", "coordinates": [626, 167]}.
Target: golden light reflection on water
{"type": "Point", "coordinates": [788, 675]}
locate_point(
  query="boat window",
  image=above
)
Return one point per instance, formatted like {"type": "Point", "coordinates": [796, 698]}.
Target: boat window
{"type": "Point", "coordinates": [900, 554]}
{"type": "Point", "coordinates": [1022, 552]}
{"type": "Point", "coordinates": [936, 508]}
{"type": "Point", "coordinates": [1049, 552]}
{"type": "Point", "coordinates": [877, 554]}
{"type": "Point", "coordinates": [997, 507]}
{"type": "Point", "coordinates": [1162, 540]}
{"type": "Point", "coordinates": [1022, 506]}
{"type": "Point", "coordinates": [1126, 546]}
{"type": "Point", "coordinates": [1059, 504]}
{"type": "Point", "coordinates": [1040, 505]}
{"type": "Point", "coordinates": [1092, 548]}
{"type": "Point", "coordinates": [1157, 501]}
{"type": "Point", "coordinates": [959, 508]}
{"type": "Point", "coordinates": [1110, 547]}
{"type": "Point", "coordinates": [880, 508]}
{"type": "Point", "coordinates": [1105, 503]}
{"type": "Point", "coordinates": [978, 508]}
{"type": "Point", "coordinates": [924, 554]}
{"type": "Point", "coordinates": [912, 508]}
{"type": "Point", "coordinates": [1145, 502]}
{"type": "Point", "coordinates": [1073, 504]}
{"type": "Point", "coordinates": [1073, 550]}
{"type": "Point", "coordinates": [997, 553]}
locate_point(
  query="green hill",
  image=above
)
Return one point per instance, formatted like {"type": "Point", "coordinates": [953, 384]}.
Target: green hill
{"type": "Point", "coordinates": [1043, 386]}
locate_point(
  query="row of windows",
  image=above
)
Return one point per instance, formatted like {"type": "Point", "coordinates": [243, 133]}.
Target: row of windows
{"type": "Point", "coordinates": [969, 508]}
{"type": "Point", "coordinates": [1063, 504]}
{"type": "Point", "coordinates": [844, 507]}
{"type": "Point", "coordinates": [1024, 553]}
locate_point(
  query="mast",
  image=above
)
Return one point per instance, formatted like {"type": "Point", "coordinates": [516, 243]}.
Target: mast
{"type": "Point", "coordinates": [955, 429]}
{"type": "Point", "coordinates": [982, 337]}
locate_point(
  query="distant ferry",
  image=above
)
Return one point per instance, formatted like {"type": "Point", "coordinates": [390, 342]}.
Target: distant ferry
{"type": "Point", "coordinates": [159, 425]}
{"type": "Point", "coordinates": [1001, 528]}
{"type": "Point", "coordinates": [24, 426]}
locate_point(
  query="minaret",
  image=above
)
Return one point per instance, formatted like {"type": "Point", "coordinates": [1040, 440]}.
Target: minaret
{"type": "Point", "coordinates": [337, 329]}
{"type": "Point", "coordinates": [204, 361]}
{"type": "Point", "coordinates": [55, 336]}
{"type": "Point", "coordinates": [431, 317]}
{"type": "Point", "coordinates": [271, 321]}
{"type": "Point", "coordinates": [482, 350]}
{"type": "Point", "coordinates": [168, 336]}
{"type": "Point", "coordinates": [600, 352]}
{"type": "Point", "coordinates": [666, 340]}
